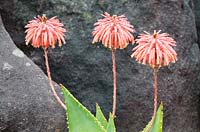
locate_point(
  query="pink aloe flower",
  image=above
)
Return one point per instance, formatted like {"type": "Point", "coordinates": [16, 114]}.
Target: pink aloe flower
{"type": "Point", "coordinates": [156, 49]}
{"type": "Point", "coordinates": [45, 32]}
{"type": "Point", "coordinates": [114, 31]}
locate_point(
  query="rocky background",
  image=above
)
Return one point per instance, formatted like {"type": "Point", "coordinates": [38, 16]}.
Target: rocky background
{"type": "Point", "coordinates": [86, 69]}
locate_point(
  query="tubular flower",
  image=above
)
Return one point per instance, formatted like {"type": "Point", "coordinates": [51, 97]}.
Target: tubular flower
{"type": "Point", "coordinates": [114, 31]}
{"type": "Point", "coordinates": [156, 49]}
{"type": "Point", "coordinates": [45, 32]}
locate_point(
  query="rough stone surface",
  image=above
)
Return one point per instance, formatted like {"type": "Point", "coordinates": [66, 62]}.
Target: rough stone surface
{"type": "Point", "coordinates": [86, 69]}
{"type": "Point", "coordinates": [26, 101]}
{"type": "Point", "coordinates": [197, 17]}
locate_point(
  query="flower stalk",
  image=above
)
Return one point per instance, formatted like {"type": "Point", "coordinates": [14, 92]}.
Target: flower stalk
{"type": "Point", "coordinates": [155, 74]}
{"type": "Point", "coordinates": [114, 83]}
{"type": "Point", "coordinates": [50, 80]}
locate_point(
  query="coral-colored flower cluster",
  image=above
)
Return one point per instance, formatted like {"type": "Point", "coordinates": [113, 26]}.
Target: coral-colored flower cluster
{"type": "Point", "coordinates": [45, 32]}
{"type": "Point", "coordinates": [114, 31]}
{"type": "Point", "coordinates": [155, 50]}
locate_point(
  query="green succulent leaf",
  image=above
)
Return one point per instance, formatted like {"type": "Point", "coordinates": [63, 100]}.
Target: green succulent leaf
{"type": "Point", "coordinates": [111, 125]}
{"type": "Point", "coordinates": [158, 122]}
{"type": "Point", "coordinates": [79, 119]}
{"type": "Point", "coordinates": [100, 117]}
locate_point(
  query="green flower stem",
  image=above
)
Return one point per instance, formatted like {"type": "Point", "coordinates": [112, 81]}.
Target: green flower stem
{"type": "Point", "coordinates": [114, 83]}
{"type": "Point", "coordinates": [50, 80]}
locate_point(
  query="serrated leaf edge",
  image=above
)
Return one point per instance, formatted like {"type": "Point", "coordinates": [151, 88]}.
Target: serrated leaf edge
{"type": "Point", "coordinates": [111, 120]}
{"type": "Point", "coordinates": [102, 115]}
{"type": "Point", "coordinates": [147, 126]}
{"type": "Point", "coordinates": [82, 107]}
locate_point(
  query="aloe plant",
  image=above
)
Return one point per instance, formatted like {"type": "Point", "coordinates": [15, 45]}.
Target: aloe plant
{"type": "Point", "coordinates": [80, 119]}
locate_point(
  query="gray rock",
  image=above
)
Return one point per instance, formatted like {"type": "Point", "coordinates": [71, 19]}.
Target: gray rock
{"type": "Point", "coordinates": [86, 69]}
{"type": "Point", "coordinates": [26, 101]}
{"type": "Point", "coordinates": [197, 17]}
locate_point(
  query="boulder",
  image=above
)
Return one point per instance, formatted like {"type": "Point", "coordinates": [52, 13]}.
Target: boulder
{"type": "Point", "coordinates": [26, 101]}
{"type": "Point", "coordinates": [86, 69]}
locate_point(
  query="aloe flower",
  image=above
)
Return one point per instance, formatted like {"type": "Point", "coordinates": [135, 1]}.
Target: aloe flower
{"type": "Point", "coordinates": [43, 32]}
{"type": "Point", "coordinates": [115, 32]}
{"type": "Point", "coordinates": [155, 50]}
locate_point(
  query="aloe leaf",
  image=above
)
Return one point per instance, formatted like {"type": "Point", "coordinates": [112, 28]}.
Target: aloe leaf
{"type": "Point", "coordinates": [111, 125]}
{"type": "Point", "coordinates": [79, 119]}
{"type": "Point", "coordinates": [100, 117]}
{"type": "Point", "coordinates": [158, 122]}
